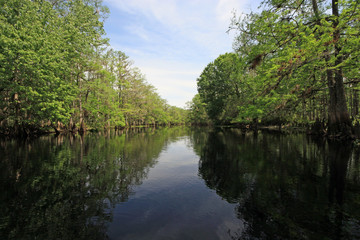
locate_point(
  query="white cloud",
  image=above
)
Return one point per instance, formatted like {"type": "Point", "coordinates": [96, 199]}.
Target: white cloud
{"type": "Point", "coordinates": [171, 41]}
{"type": "Point", "coordinates": [225, 8]}
{"type": "Point", "coordinates": [174, 80]}
{"type": "Point", "coordinates": [163, 11]}
{"type": "Point", "coordinates": [139, 31]}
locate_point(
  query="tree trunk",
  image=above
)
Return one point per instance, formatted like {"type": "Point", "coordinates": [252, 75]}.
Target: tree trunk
{"type": "Point", "coordinates": [81, 112]}
{"type": "Point", "coordinates": [339, 123]}
{"type": "Point", "coordinates": [355, 103]}
{"type": "Point", "coordinates": [17, 114]}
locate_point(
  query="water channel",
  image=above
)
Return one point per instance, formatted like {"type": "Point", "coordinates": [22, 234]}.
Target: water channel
{"type": "Point", "coordinates": [179, 183]}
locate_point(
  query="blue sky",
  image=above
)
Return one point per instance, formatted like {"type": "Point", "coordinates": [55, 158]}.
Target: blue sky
{"type": "Point", "coordinates": [172, 41]}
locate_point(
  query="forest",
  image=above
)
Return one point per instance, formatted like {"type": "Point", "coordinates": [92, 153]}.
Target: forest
{"type": "Point", "coordinates": [58, 72]}
{"type": "Point", "coordinates": [295, 63]}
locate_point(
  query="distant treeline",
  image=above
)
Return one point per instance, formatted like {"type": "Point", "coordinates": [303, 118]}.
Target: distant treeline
{"type": "Point", "coordinates": [58, 72]}
{"type": "Point", "coordinates": [295, 63]}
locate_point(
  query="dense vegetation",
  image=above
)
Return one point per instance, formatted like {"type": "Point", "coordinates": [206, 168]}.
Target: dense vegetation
{"type": "Point", "coordinates": [57, 71]}
{"type": "Point", "coordinates": [295, 62]}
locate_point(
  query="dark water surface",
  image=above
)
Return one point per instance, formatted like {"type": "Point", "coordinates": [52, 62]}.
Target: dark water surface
{"type": "Point", "coordinates": [178, 183]}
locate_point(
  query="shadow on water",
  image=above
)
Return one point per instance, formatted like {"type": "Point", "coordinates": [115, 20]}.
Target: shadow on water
{"type": "Point", "coordinates": [282, 186]}
{"type": "Point", "coordinates": [65, 187]}
{"type": "Point", "coordinates": [285, 186]}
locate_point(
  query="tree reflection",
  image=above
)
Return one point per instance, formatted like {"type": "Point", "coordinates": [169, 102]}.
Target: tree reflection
{"type": "Point", "coordinates": [65, 187]}
{"type": "Point", "coordinates": [285, 187]}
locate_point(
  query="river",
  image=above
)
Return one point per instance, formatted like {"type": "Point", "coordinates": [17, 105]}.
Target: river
{"type": "Point", "coordinates": [179, 183]}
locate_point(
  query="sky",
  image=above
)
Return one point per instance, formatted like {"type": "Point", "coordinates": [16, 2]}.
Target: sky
{"type": "Point", "coordinates": [172, 41]}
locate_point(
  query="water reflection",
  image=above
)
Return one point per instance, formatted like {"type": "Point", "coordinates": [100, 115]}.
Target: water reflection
{"type": "Point", "coordinates": [124, 185]}
{"type": "Point", "coordinates": [65, 187]}
{"type": "Point", "coordinates": [285, 187]}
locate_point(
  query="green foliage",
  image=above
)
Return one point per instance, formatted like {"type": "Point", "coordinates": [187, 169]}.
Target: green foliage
{"type": "Point", "coordinates": [294, 60]}
{"type": "Point", "coordinates": [197, 111]}
{"type": "Point", "coordinates": [32, 84]}
{"type": "Point", "coordinates": [56, 71]}
{"type": "Point", "coordinates": [297, 51]}
{"type": "Point", "coordinates": [219, 87]}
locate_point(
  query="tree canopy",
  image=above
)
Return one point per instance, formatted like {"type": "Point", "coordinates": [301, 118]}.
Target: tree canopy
{"type": "Point", "coordinates": [296, 62]}
{"type": "Point", "coordinates": [57, 70]}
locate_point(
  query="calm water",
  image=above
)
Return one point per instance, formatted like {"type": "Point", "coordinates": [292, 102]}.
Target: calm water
{"type": "Point", "coordinates": [178, 183]}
